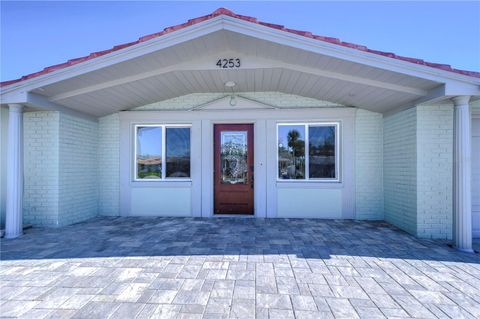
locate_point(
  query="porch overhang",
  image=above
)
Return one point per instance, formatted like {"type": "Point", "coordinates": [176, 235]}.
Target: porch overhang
{"type": "Point", "coordinates": [184, 61]}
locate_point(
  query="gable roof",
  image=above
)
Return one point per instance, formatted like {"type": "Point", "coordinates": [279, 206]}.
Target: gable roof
{"type": "Point", "coordinates": [223, 11]}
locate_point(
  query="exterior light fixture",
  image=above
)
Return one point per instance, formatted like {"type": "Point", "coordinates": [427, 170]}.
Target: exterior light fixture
{"type": "Point", "coordinates": [231, 85]}
{"type": "Point", "coordinates": [233, 100]}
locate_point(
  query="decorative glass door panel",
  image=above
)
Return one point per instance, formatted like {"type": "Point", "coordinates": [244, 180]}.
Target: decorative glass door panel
{"type": "Point", "coordinates": [233, 173]}
{"type": "Point", "coordinates": [234, 154]}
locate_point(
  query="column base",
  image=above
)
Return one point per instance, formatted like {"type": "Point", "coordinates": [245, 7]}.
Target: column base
{"type": "Point", "coordinates": [12, 236]}
{"type": "Point", "coordinates": [463, 250]}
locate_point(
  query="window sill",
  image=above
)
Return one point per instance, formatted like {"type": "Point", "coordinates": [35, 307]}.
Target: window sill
{"type": "Point", "coordinates": [165, 183]}
{"type": "Point", "coordinates": [308, 184]}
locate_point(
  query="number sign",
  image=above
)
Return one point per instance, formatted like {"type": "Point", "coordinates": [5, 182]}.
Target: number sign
{"type": "Point", "coordinates": [233, 63]}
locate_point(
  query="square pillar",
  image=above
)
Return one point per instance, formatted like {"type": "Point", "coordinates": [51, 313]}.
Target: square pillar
{"type": "Point", "coordinates": [14, 216]}
{"type": "Point", "coordinates": [462, 186]}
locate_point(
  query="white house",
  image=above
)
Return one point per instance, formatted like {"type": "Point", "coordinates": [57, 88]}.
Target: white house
{"type": "Point", "coordinates": [227, 115]}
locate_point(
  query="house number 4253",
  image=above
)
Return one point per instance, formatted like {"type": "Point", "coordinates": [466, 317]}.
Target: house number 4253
{"type": "Point", "coordinates": [228, 63]}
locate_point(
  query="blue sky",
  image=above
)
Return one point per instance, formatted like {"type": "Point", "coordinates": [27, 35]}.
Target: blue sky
{"type": "Point", "coordinates": [38, 34]}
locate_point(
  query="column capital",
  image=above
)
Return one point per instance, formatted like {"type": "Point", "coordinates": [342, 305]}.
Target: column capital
{"type": "Point", "coordinates": [15, 108]}
{"type": "Point", "coordinates": [461, 100]}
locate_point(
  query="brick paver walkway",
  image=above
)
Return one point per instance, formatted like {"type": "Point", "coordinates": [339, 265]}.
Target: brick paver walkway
{"type": "Point", "coordinates": [237, 268]}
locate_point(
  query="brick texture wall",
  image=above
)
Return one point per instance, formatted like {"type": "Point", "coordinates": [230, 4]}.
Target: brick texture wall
{"type": "Point", "coordinates": [41, 174]}
{"type": "Point", "coordinates": [60, 169]}
{"type": "Point", "coordinates": [418, 170]}
{"type": "Point", "coordinates": [434, 171]}
{"type": "Point", "coordinates": [369, 165]}
{"type": "Point", "coordinates": [109, 165]}
{"type": "Point", "coordinates": [400, 169]}
{"type": "Point", "coordinates": [78, 171]}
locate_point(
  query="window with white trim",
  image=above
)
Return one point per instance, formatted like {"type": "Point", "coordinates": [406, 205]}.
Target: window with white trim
{"type": "Point", "coordinates": [308, 151]}
{"type": "Point", "coordinates": [162, 152]}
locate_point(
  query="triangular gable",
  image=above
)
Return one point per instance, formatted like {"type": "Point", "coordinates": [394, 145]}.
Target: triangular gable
{"type": "Point", "coordinates": [233, 102]}
{"type": "Point", "coordinates": [226, 12]}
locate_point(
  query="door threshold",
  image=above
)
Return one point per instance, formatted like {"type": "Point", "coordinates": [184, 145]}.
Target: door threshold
{"type": "Point", "coordinates": [234, 215]}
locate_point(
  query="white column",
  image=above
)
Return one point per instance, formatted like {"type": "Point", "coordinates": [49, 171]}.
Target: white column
{"type": "Point", "coordinates": [13, 218]}
{"type": "Point", "coordinates": [462, 187]}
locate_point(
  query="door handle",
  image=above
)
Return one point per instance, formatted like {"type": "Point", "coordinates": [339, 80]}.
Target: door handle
{"type": "Point", "coordinates": [252, 178]}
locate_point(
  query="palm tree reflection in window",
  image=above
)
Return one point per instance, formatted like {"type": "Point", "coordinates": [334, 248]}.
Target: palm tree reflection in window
{"type": "Point", "coordinates": [321, 148]}
{"type": "Point", "coordinates": [291, 151]}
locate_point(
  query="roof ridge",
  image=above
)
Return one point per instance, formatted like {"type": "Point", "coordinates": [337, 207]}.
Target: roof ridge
{"type": "Point", "coordinates": [224, 11]}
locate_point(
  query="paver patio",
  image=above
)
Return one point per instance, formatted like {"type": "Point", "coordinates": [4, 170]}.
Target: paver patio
{"type": "Point", "coordinates": [237, 268]}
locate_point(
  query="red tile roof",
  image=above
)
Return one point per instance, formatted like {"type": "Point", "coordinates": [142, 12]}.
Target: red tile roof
{"type": "Point", "coordinates": [223, 11]}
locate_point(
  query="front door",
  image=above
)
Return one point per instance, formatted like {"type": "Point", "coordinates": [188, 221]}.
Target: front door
{"type": "Point", "coordinates": [233, 169]}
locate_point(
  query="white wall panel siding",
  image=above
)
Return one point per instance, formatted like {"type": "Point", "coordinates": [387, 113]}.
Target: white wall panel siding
{"type": "Point", "coordinates": [369, 165]}
{"type": "Point", "coordinates": [400, 165]}
{"type": "Point", "coordinates": [309, 203]}
{"type": "Point", "coordinates": [3, 162]}
{"type": "Point", "coordinates": [41, 173]}
{"type": "Point", "coordinates": [78, 170]}
{"type": "Point", "coordinates": [434, 171]}
{"type": "Point", "coordinates": [161, 201]}
{"type": "Point", "coordinates": [109, 165]}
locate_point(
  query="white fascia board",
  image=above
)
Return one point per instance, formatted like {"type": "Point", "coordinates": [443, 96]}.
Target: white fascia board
{"type": "Point", "coordinates": [250, 29]}
{"type": "Point", "coordinates": [345, 53]}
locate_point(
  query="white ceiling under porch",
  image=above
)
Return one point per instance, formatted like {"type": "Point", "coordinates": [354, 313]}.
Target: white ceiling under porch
{"type": "Point", "coordinates": [184, 62]}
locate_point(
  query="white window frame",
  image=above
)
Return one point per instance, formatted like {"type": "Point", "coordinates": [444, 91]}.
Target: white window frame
{"type": "Point", "coordinates": [163, 155]}
{"type": "Point", "coordinates": [307, 178]}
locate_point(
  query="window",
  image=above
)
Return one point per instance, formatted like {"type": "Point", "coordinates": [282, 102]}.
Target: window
{"type": "Point", "coordinates": [308, 151]}
{"type": "Point", "coordinates": [162, 152]}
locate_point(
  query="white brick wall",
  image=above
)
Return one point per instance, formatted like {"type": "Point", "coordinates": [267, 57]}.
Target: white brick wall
{"type": "Point", "coordinates": [109, 165]}
{"type": "Point", "coordinates": [418, 155]}
{"type": "Point", "coordinates": [78, 171]}
{"type": "Point", "coordinates": [41, 158]}
{"type": "Point", "coordinates": [434, 171]}
{"type": "Point", "coordinates": [60, 169]}
{"type": "Point", "coordinates": [400, 164]}
{"type": "Point", "coordinates": [475, 106]}
{"type": "Point", "coordinates": [369, 165]}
